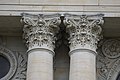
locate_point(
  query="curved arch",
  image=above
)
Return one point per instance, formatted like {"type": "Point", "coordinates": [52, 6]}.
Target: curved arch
{"type": "Point", "coordinates": [115, 70]}
{"type": "Point", "coordinates": [13, 62]}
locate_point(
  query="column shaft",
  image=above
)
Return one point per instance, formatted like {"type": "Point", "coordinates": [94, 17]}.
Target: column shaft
{"type": "Point", "coordinates": [40, 65]}
{"type": "Point", "coordinates": [83, 65]}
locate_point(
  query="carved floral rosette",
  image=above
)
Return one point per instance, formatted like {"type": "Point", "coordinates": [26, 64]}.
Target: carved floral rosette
{"type": "Point", "coordinates": [108, 59]}
{"type": "Point", "coordinates": [111, 48]}
{"type": "Point", "coordinates": [84, 31]}
{"type": "Point", "coordinates": [40, 30]}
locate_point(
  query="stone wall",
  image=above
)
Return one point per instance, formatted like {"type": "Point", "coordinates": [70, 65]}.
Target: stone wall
{"type": "Point", "coordinates": [110, 8]}
{"type": "Point", "coordinates": [62, 2]}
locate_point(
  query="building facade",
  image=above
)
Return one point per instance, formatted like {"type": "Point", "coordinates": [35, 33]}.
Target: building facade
{"type": "Point", "coordinates": [59, 40]}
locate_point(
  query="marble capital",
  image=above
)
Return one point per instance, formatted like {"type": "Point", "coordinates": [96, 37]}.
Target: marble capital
{"type": "Point", "coordinates": [39, 30]}
{"type": "Point", "coordinates": [84, 31]}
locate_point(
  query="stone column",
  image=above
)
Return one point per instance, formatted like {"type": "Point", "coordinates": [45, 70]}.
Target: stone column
{"type": "Point", "coordinates": [84, 34]}
{"type": "Point", "coordinates": [39, 35]}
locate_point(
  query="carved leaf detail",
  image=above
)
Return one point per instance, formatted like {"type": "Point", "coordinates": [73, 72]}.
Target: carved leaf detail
{"type": "Point", "coordinates": [22, 67]}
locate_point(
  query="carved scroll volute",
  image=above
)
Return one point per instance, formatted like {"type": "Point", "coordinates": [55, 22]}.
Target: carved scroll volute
{"type": "Point", "coordinates": [84, 31]}
{"type": "Point", "coordinates": [40, 30]}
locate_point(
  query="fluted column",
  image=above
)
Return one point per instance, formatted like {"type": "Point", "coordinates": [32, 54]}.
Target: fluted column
{"type": "Point", "coordinates": [39, 35]}
{"type": "Point", "coordinates": [84, 33]}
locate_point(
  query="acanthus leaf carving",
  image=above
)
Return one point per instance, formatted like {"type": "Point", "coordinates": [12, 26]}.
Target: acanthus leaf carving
{"type": "Point", "coordinates": [84, 31]}
{"type": "Point", "coordinates": [40, 30]}
{"type": "Point", "coordinates": [22, 66]}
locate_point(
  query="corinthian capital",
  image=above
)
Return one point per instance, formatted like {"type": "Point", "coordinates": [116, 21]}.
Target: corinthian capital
{"type": "Point", "coordinates": [40, 30]}
{"type": "Point", "coordinates": [84, 31]}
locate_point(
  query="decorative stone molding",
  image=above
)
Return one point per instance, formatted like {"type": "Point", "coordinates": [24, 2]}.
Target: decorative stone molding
{"type": "Point", "coordinates": [40, 30]}
{"type": "Point", "coordinates": [111, 48]}
{"type": "Point", "coordinates": [84, 30]}
{"type": "Point", "coordinates": [108, 59]}
{"type": "Point", "coordinates": [22, 66]}
{"type": "Point", "coordinates": [18, 64]}
{"type": "Point", "coordinates": [13, 62]}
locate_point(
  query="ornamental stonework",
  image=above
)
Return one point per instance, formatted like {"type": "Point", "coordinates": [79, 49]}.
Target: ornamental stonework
{"type": "Point", "coordinates": [84, 30]}
{"type": "Point", "coordinates": [12, 60]}
{"type": "Point", "coordinates": [111, 48]}
{"type": "Point", "coordinates": [18, 64]}
{"type": "Point", "coordinates": [108, 59]}
{"type": "Point", "coordinates": [40, 30]}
